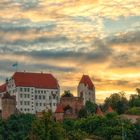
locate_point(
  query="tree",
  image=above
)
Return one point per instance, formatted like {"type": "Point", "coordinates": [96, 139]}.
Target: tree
{"type": "Point", "coordinates": [117, 101]}
{"type": "Point", "coordinates": [137, 130]}
{"type": "Point", "coordinates": [138, 90]}
{"type": "Point", "coordinates": [67, 93]}
{"type": "Point", "coordinates": [82, 113]}
{"type": "Point", "coordinates": [135, 99]}
{"type": "Point", "coordinates": [16, 127]}
{"type": "Point", "coordinates": [46, 128]}
{"type": "Point", "coordinates": [90, 107]}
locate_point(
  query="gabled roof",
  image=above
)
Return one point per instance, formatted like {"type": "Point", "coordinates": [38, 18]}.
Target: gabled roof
{"type": "Point", "coordinates": [99, 112]}
{"type": "Point", "coordinates": [37, 80]}
{"type": "Point", "coordinates": [3, 88]}
{"type": "Point", "coordinates": [86, 81]}
{"type": "Point", "coordinates": [109, 110]}
{"type": "Point", "coordinates": [59, 109]}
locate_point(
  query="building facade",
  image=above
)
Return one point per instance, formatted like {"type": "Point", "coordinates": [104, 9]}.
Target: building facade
{"type": "Point", "coordinates": [34, 92]}
{"type": "Point", "coordinates": [86, 89]}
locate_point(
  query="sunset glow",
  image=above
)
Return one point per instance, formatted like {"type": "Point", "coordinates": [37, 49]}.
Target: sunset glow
{"type": "Point", "coordinates": [70, 38]}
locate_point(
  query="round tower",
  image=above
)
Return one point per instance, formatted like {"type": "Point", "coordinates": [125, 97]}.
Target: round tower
{"type": "Point", "coordinates": [8, 105]}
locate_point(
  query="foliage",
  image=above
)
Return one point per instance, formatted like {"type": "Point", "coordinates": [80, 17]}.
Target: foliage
{"type": "Point", "coordinates": [82, 113]}
{"type": "Point", "coordinates": [17, 127]}
{"type": "Point", "coordinates": [117, 101]}
{"type": "Point", "coordinates": [72, 133]}
{"type": "Point", "coordinates": [90, 107]}
{"type": "Point", "coordinates": [76, 135]}
{"type": "Point", "coordinates": [106, 126]}
{"type": "Point", "coordinates": [46, 128]}
{"type": "Point", "coordinates": [134, 111]}
{"type": "Point", "coordinates": [135, 99]}
{"type": "Point", "coordinates": [137, 130]}
{"type": "Point", "coordinates": [67, 93]}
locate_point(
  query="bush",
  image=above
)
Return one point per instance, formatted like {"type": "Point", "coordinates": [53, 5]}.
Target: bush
{"type": "Point", "coordinates": [134, 111]}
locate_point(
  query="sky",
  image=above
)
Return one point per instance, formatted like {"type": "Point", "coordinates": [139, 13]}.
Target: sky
{"type": "Point", "coordinates": [69, 38]}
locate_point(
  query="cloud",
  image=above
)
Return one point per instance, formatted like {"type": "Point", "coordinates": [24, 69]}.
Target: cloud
{"type": "Point", "coordinates": [118, 83]}
{"type": "Point", "coordinates": [72, 37]}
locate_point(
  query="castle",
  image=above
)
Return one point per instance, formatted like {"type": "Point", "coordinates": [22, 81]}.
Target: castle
{"type": "Point", "coordinates": [34, 92]}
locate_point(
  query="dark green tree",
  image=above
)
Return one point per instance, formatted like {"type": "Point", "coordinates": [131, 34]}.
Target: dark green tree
{"type": "Point", "coordinates": [46, 128]}
{"type": "Point", "coordinates": [82, 113]}
{"type": "Point", "coordinates": [67, 93]}
{"type": "Point", "coordinates": [16, 127]}
{"type": "Point", "coordinates": [135, 99]}
{"type": "Point", "coordinates": [137, 130]}
{"type": "Point", "coordinates": [90, 107]}
{"type": "Point", "coordinates": [117, 101]}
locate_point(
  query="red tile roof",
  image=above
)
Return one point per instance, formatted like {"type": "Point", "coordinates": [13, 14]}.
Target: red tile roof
{"type": "Point", "coordinates": [37, 80]}
{"type": "Point", "coordinates": [109, 110]}
{"type": "Point", "coordinates": [87, 81]}
{"type": "Point", "coordinates": [3, 88]}
{"type": "Point", "coordinates": [59, 109]}
{"type": "Point", "coordinates": [99, 112]}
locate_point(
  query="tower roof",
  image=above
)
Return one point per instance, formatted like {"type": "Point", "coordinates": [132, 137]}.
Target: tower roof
{"type": "Point", "coordinates": [38, 80]}
{"type": "Point", "coordinates": [59, 109]}
{"type": "Point", "coordinates": [3, 88]}
{"type": "Point", "coordinates": [99, 112]}
{"type": "Point", "coordinates": [109, 110]}
{"type": "Point", "coordinates": [86, 81]}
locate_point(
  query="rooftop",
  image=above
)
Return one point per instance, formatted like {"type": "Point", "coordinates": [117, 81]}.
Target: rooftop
{"type": "Point", "coordinates": [37, 80]}
{"type": "Point", "coordinates": [3, 88]}
{"type": "Point", "coordinates": [87, 81]}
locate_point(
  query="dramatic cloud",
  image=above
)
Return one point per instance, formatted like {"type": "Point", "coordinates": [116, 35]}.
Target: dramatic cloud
{"type": "Point", "coordinates": [71, 37]}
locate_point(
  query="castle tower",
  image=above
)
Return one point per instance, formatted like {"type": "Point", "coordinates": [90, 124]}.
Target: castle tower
{"type": "Point", "coordinates": [86, 89]}
{"type": "Point", "coordinates": [8, 105]}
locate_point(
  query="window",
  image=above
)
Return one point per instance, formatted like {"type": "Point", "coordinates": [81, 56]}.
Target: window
{"type": "Point", "coordinates": [21, 89]}
{"type": "Point", "coordinates": [35, 96]}
{"type": "Point", "coordinates": [20, 102]}
{"type": "Point", "coordinates": [50, 97]}
{"type": "Point", "coordinates": [57, 97]}
{"type": "Point", "coordinates": [36, 104]}
{"type": "Point", "coordinates": [43, 96]}
{"type": "Point", "coordinates": [40, 104]}
{"type": "Point", "coordinates": [20, 95]}
{"type": "Point", "coordinates": [53, 104]}
{"type": "Point", "coordinates": [50, 104]}
{"type": "Point", "coordinates": [44, 104]}
{"type": "Point", "coordinates": [38, 91]}
{"type": "Point", "coordinates": [24, 102]}
{"type": "Point", "coordinates": [53, 97]}
{"type": "Point", "coordinates": [25, 89]}
{"type": "Point", "coordinates": [41, 91]}
{"type": "Point", "coordinates": [39, 96]}
{"type": "Point", "coordinates": [44, 91]}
